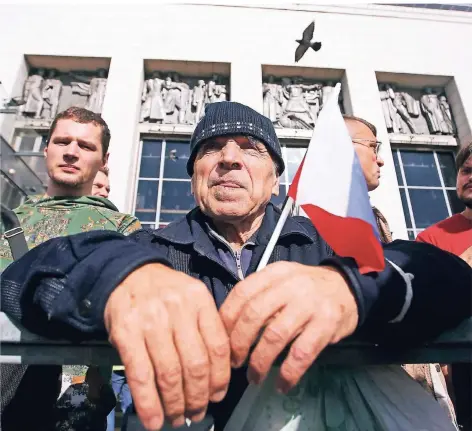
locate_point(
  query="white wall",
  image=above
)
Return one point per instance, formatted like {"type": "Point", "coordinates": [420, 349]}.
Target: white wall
{"type": "Point", "coordinates": [361, 40]}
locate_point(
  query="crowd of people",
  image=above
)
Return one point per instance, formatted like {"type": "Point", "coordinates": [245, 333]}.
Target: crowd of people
{"type": "Point", "coordinates": [192, 320]}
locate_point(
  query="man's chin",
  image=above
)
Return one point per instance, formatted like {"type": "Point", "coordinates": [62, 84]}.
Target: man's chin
{"type": "Point", "coordinates": [67, 181]}
{"type": "Point", "coordinates": [468, 203]}
{"type": "Point", "coordinates": [466, 198]}
{"type": "Point", "coordinates": [226, 211]}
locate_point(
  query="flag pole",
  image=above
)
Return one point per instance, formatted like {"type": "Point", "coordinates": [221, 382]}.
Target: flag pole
{"type": "Point", "coordinates": [287, 207]}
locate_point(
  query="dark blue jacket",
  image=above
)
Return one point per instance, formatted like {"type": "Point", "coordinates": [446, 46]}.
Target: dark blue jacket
{"type": "Point", "coordinates": [60, 288]}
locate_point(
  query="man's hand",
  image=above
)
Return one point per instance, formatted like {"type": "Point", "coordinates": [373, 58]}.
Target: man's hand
{"type": "Point", "coordinates": [312, 305]}
{"type": "Point", "coordinates": [467, 256]}
{"type": "Point", "coordinates": [172, 342]}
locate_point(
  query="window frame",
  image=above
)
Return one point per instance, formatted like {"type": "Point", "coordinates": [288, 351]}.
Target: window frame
{"type": "Point", "coordinates": [413, 230]}
{"type": "Point", "coordinates": [160, 179]}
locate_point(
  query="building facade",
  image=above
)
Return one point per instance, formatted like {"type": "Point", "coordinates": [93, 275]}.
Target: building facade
{"type": "Point", "coordinates": [151, 70]}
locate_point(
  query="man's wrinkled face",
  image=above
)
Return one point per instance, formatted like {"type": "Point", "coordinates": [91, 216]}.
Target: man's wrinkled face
{"type": "Point", "coordinates": [464, 183]}
{"type": "Point", "coordinates": [74, 154]}
{"type": "Point", "coordinates": [234, 176]}
{"type": "Point", "coordinates": [366, 147]}
{"type": "Point", "coordinates": [101, 185]}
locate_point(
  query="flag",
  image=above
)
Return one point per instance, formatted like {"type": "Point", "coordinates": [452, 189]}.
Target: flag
{"type": "Point", "coordinates": [331, 189]}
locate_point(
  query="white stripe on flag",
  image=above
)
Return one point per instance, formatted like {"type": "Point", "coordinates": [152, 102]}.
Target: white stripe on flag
{"type": "Point", "coordinates": [325, 180]}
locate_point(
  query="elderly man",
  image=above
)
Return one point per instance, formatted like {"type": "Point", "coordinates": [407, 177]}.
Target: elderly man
{"type": "Point", "coordinates": [183, 304]}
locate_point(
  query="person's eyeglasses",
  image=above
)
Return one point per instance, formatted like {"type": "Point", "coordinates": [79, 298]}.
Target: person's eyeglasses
{"type": "Point", "coordinates": [374, 145]}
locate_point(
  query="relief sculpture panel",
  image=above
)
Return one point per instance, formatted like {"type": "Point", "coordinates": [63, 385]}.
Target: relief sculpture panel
{"type": "Point", "coordinates": [294, 103]}
{"type": "Point", "coordinates": [416, 112]}
{"type": "Point", "coordinates": [168, 98]}
{"type": "Point", "coordinates": [48, 91]}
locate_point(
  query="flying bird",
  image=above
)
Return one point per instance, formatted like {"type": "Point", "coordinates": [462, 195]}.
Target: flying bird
{"type": "Point", "coordinates": [305, 42]}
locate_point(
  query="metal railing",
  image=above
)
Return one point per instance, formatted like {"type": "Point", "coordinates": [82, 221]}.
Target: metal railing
{"type": "Point", "coordinates": [21, 346]}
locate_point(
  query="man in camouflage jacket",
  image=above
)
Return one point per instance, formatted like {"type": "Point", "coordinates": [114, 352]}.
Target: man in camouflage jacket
{"type": "Point", "coordinates": [77, 148]}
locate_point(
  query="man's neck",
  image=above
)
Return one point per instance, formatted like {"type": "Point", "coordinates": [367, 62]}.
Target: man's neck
{"type": "Point", "coordinates": [238, 233]}
{"type": "Point", "coordinates": [54, 190]}
{"type": "Point", "coordinates": [467, 213]}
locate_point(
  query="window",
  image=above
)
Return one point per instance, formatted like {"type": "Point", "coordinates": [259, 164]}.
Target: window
{"type": "Point", "coordinates": [163, 193]}
{"type": "Point", "coordinates": [427, 181]}
{"type": "Point", "coordinates": [29, 146]}
{"type": "Point", "coordinates": [12, 195]}
{"type": "Point", "coordinates": [292, 156]}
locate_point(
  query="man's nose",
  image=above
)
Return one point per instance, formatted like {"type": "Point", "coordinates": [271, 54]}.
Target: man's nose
{"type": "Point", "coordinates": [380, 161]}
{"type": "Point", "coordinates": [230, 156]}
{"type": "Point", "coordinates": [72, 149]}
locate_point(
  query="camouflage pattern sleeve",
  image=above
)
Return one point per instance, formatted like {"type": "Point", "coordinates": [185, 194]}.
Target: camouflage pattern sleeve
{"type": "Point", "coordinates": [129, 225]}
{"type": "Point", "coordinates": [5, 254]}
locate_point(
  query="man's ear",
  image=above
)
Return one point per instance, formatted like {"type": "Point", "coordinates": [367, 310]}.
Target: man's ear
{"type": "Point", "coordinates": [105, 160]}
{"type": "Point", "coordinates": [45, 151]}
{"type": "Point", "coordinates": [276, 186]}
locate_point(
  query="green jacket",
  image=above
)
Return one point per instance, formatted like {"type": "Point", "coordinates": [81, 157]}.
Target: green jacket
{"type": "Point", "coordinates": [43, 217]}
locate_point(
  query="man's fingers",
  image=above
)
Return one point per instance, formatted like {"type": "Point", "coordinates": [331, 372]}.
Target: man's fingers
{"type": "Point", "coordinates": [275, 337]}
{"type": "Point", "coordinates": [140, 376]}
{"type": "Point", "coordinates": [252, 318]}
{"type": "Point", "coordinates": [167, 368]}
{"type": "Point", "coordinates": [193, 359]}
{"type": "Point", "coordinates": [246, 289]}
{"type": "Point", "coordinates": [218, 348]}
{"type": "Point", "coordinates": [304, 350]}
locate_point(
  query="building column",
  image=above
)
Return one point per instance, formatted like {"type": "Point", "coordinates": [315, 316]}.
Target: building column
{"type": "Point", "coordinates": [121, 111]}
{"type": "Point", "coordinates": [246, 83]}
{"type": "Point", "coordinates": [364, 102]}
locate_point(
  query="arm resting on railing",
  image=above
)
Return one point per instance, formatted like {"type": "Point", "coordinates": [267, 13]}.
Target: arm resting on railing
{"type": "Point", "coordinates": [60, 288]}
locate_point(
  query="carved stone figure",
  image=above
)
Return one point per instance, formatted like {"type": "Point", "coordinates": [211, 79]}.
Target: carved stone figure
{"type": "Point", "coordinates": [399, 102]}
{"type": "Point", "coordinates": [293, 102]}
{"type": "Point", "coordinates": [297, 113]}
{"type": "Point", "coordinates": [432, 112]}
{"type": "Point", "coordinates": [51, 93]}
{"type": "Point", "coordinates": [327, 89]}
{"type": "Point", "coordinates": [198, 100]}
{"type": "Point", "coordinates": [410, 110]}
{"type": "Point", "coordinates": [185, 108]}
{"type": "Point", "coordinates": [95, 90]}
{"type": "Point", "coordinates": [387, 96]}
{"type": "Point", "coordinates": [446, 111]}
{"type": "Point", "coordinates": [215, 92]}
{"type": "Point", "coordinates": [272, 99]}
{"type": "Point", "coordinates": [313, 98]}
{"type": "Point", "coordinates": [152, 108]}
{"type": "Point", "coordinates": [32, 94]}
{"type": "Point", "coordinates": [177, 99]}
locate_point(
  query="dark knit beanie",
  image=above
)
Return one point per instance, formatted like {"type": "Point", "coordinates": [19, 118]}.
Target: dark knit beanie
{"type": "Point", "coordinates": [232, 118]}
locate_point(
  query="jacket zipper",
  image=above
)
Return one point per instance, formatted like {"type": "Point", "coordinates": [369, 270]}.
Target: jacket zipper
{"type": "Point", "coordinates": [237, 255]}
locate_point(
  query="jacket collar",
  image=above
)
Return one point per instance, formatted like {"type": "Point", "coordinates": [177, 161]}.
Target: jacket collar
{"type": "Point", "coordinates": [192, 229]}
{"type": "Point", "coordinates": [58, 202]}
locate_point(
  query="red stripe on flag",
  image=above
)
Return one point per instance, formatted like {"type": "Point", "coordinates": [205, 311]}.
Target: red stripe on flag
{"type": "Point", "coordinates": [348, 237]}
